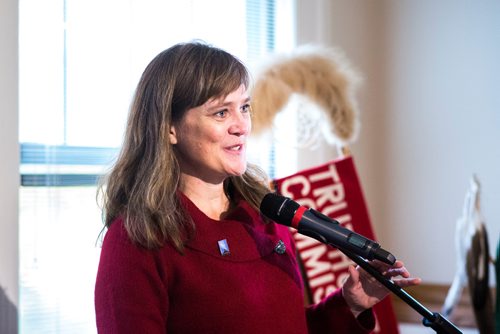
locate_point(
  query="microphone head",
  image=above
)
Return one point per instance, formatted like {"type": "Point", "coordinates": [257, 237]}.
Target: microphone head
{"type": "Point", "coordinates": [278, 208]}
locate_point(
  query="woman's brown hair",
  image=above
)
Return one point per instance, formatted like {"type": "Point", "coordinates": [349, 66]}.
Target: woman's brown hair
{"type": "Point", "coordinates": [142, 185]}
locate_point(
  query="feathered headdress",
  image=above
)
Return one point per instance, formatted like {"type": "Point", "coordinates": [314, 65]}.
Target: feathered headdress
{"type": "Point", "coordinates": [322, 75]}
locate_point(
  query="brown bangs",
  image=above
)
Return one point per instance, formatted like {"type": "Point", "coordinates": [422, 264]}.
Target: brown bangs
{"type": "Point", "coordinates": [223, 75]}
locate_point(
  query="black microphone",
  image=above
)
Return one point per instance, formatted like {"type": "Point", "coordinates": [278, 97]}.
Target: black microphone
{"type": "Point", "coordinates": [316, 225]}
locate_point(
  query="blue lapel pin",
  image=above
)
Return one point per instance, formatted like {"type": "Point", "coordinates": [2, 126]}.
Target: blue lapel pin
{"type": "Point", "coordinates": [223, 247]}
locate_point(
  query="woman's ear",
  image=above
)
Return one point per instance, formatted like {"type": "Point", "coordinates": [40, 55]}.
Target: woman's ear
{"type": "Point", "coordinates": [172, 136]}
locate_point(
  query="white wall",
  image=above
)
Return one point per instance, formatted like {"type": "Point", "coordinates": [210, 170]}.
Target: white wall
{"type": "Point", "coordinates": [443, 123]}
{"type": "Point", "coordinates": [430, 115]}
{"type": "Point", "coordinates": [9, 166]}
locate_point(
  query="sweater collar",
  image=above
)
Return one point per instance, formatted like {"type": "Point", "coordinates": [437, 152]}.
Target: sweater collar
{"type": "Point", "coordinates": [243, 231]}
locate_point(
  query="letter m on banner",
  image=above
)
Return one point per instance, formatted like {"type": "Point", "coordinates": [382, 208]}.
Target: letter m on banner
{"type": "Point", "coordinates": [334, 190]}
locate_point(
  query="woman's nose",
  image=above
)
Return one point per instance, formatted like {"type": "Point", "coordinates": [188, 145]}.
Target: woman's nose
{"type": "Point", "coordinates": [241, 124]}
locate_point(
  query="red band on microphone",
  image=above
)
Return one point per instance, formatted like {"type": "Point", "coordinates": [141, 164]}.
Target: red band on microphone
{"type": "Point", "coordinates": [298, 216]}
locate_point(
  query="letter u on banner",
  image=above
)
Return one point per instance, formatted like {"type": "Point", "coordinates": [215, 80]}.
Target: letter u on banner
{"type": "Point", "coordinates": [333, 189]}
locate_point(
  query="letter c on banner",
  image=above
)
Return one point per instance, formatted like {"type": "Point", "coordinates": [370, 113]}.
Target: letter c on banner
{"type": "Point", "coordinates": [300, 180]}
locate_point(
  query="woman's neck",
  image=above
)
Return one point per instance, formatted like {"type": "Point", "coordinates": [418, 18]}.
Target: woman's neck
{"type": "Point", "coordinates": [209, 198]}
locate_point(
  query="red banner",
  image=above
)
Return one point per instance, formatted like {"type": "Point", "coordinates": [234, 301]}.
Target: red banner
{"type": "Point", "coordinates": [334, 190]}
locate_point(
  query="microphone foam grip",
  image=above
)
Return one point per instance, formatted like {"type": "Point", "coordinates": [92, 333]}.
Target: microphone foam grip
{"type": "Point", "coordinates": [278, 208]}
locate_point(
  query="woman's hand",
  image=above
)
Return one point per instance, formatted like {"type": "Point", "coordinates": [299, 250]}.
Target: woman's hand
{"type": "Point", "coordinates": [361, 291]}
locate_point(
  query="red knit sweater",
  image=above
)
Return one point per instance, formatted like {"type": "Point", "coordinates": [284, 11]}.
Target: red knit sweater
{"type": "Point", "coordinates": [254, 289]}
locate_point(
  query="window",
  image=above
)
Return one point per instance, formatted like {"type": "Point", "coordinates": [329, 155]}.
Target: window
{"type": "Point", "coordinates": [79, 64]}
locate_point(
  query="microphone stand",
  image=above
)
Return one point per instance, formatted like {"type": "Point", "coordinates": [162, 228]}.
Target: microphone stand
{"type": "Point", "coordinates": [433, 320]}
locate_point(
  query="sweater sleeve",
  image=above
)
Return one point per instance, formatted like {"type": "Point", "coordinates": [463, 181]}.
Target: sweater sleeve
{"type": "Point", "coordinates": [332, 315]}
{"type": "Point", "coordinates": [130, 292]}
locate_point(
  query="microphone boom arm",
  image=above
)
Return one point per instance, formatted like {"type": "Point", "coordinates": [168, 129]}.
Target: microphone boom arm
{"type": "Point", "coordinates": [433, 320]}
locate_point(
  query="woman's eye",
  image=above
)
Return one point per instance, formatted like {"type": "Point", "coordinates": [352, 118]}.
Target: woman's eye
{"type": "Point", "coordinates": [246, 108]}
{"type": "Point", "coordinates": [221, 113]}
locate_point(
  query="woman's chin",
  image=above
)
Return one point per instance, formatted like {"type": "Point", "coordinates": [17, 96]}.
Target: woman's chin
{"type": "Point", "coordinates": [238, 171]}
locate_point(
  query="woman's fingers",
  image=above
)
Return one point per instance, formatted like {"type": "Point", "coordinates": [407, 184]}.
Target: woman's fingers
{"type": "Point", "coordinates": [397, 270]}
{"type": "Point", "coordinates": [402, 283]}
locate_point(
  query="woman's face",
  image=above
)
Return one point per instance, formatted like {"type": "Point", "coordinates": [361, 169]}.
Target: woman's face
{"type": "Point", "coordinates": [210, 139]}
